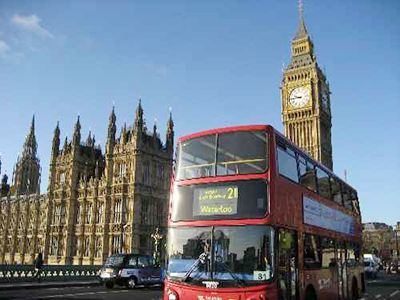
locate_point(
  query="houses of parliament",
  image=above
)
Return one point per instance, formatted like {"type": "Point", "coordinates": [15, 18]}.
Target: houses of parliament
{"type": "Point", "coordinates": [100, 204]}
{"type": "Point", "coordinates": [96, 205]}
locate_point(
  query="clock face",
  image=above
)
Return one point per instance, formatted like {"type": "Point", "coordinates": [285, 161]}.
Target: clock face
{"type": "Point", "coordinates": [299, 97]}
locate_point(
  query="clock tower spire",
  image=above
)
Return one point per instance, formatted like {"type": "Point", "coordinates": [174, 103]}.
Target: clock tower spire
{"type": "Point", "coordinates": [306, 107]}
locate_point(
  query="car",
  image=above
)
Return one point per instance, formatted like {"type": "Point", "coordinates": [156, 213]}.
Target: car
{"type": "Point", "coordinates": [371, 268]}
{"type": "Point", "coordinates": [130, 270]}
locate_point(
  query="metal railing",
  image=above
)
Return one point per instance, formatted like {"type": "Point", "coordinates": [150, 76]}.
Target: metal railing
{"type": "Point", "coordinates": [12, 273]}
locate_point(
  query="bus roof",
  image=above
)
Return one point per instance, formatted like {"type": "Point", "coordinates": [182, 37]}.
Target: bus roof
{"type": "Point", "coordinates": [224, 129]}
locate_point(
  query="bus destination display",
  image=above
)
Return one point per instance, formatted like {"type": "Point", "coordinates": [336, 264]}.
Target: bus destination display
{"type": "Point", "coordinates": [215, 201]}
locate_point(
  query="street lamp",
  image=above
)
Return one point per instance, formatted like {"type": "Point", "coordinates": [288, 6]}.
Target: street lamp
{"type": "Point", "coordinates": [156, 237]}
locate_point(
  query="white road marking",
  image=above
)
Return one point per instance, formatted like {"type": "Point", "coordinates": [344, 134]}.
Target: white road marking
{"type": "Point", "coordinates": [394, 293]}
{"type": "Point", "coordinates": [378, 296]}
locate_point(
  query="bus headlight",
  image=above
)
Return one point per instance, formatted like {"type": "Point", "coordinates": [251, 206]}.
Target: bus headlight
{"type": "Point", "coordinates": [172, 295]}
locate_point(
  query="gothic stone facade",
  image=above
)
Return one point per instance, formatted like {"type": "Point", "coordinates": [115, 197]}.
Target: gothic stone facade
{"type": "Point", "coordinates": [96, 205]}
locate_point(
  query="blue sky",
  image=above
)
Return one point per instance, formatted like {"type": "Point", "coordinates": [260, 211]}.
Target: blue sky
{"type": "Point", "coordinates": [216, 63]}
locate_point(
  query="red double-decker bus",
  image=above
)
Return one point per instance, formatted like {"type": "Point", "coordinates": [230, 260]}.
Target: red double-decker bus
{"type": "Point", "coordinates": [253, 217]}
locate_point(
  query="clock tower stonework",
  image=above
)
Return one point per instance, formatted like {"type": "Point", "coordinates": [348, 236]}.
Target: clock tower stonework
{"type": "Point", "coordinates": [306, 106]}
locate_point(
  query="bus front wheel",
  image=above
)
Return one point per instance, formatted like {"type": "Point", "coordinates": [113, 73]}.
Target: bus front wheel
{"type": "Point", "coordinates": [310, 293]}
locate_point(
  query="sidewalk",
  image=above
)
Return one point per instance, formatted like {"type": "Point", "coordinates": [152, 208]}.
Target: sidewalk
{"type": "Point", "coordinates": [47, 284]}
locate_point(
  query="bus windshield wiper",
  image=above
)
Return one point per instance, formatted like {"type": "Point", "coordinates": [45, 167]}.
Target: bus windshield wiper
{"type": "Point", "coordinates": [202, 259]}
{"type": "Point", "coordinates": [238, 280]}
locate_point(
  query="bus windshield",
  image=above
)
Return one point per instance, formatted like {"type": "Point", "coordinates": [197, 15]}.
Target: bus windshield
{"type": "Point", "coordinates": [229, 255]}
{"type": "Point", "coordinates": [241, 152]}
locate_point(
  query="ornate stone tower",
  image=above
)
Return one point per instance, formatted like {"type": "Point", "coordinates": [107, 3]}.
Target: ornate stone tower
{"type": "Point", "coordinates": [27, 169]}
{"type": "Point", "coordinates": [306, 105]}
{"type": "Point", "coordinates": [76, 162]}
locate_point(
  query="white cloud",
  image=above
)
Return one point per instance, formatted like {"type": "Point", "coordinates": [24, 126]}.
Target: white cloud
{"type": "Point", "coordinates": [4, 47]}
{"type": "Point", "coordinates": [31, 23]}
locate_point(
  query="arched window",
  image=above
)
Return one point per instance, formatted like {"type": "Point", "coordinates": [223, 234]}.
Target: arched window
{"type": "Point", "coordinates": [99, 213]}
{"type": "Point", "coordinates": [144, 212]}
{"type": "Point", "coordinates": [78, 213]}
{"type": "Point", "coordinates": [88, 213]}
{"type": "Point", "coordinates": [116, 244]}
{"type": "Point", "coordinates": [86, 246]}
{"type": "Point", "coordinates": [118, 211]}
{"type": "Point", "coordinates": [146, 174]}
{"type": "Point", "coordinates": [54, 245]}
{"type": "Point", "coordinates": [98, 246]}
{"type": "Point", "coordinates": [122, 170]}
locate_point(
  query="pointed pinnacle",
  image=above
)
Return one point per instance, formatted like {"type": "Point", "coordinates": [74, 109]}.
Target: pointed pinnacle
{"type": "Point", "coordinates": [301, 31]}
{"type": "Point", "coordinates": [33, 123]}
{"type": "Point", "coordinates": [57, 129]}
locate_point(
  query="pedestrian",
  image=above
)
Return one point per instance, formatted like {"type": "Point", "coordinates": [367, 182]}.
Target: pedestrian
{"type": "Point", "coordinates": [387, 268]}
{"type": "Point", "coordinates": [38, 264]}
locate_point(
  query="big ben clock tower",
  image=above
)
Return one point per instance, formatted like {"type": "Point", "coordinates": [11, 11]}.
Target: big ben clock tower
{"type": "Point", "coordinates": [306, 106]}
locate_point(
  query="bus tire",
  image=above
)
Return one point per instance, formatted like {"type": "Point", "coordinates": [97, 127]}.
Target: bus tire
{"type": "Point", "coordinates": [354, 290]}
{"type": "Point", "coordinates": [109, 284]}
{"type": "Point", "coordinates": [310, 293]}
{"type": "Point", "coordinates": [132, 282]}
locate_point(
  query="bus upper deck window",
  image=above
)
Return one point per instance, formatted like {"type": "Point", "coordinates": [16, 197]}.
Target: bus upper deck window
{"type": "Point", "coordinates": [197, 158]}
{"type": "Point", "coordinates": [307, 174]}
{"type": "Point", "coordinates": [242, 152]}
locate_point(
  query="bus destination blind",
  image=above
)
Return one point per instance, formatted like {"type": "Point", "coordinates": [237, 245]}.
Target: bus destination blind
{"type": "Point", "coordinates": [215, 201]}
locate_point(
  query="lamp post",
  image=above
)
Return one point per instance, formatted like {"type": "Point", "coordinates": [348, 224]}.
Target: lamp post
{"type": "Point", "coordinates": [157, 237]}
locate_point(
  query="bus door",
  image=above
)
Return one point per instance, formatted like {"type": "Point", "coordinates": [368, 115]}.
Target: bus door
{"type": "Point", "coordinates": [287, 265]}
{"type": "Point", "coordinates": [342, 270]}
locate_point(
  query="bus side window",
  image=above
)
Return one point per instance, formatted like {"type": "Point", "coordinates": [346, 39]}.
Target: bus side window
{"type": "Point", "coordinates": [324, 188]}
{"type": "Point", "coordinates": [307, 174]}
{"type": "Point", "coordinates": [353, 254]}
{"type": "Point", "coordinates": [354, 202]}
{"type": "Point", "coordinates": [350, 258]}
{"type": "Point", "coordinates": [287, 163]}
{"type": "Point", "coordinates": [341, 252]}
{"type": "Point", "coordinates": [346, 197]}
{"type": "Point", "coordinates": [336, 193]}
{"type": "Point", "coordinates": [328, 252]}
{"type": "Point", "coordinates": [312, 252]}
